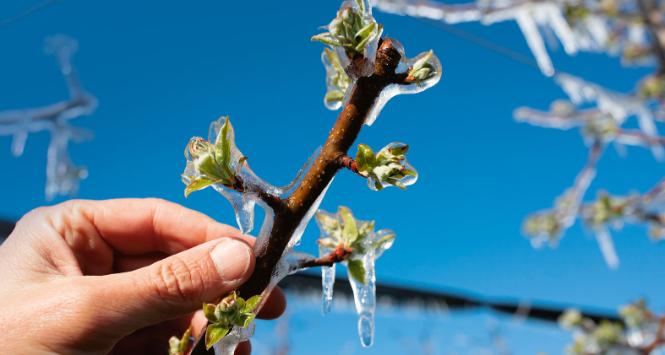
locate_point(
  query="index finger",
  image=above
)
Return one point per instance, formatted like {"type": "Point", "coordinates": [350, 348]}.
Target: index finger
{"type": "Point", "coordinates": [140, 226]}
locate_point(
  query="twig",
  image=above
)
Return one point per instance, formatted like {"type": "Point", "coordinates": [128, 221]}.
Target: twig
{"type": "Point", "coordinates": [336, 256]}
{"type": "Point", "coordinates": [646, 11]}
{"type": "Point", "coordinates": [363, 96]}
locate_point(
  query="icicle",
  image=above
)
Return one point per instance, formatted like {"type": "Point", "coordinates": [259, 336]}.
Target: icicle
{"type": "Point", "coordinates": [397, 89]}
{"type": "Point", "coordinates": [327, 283]}
{"type": "Point", "coordinates": [62, 176]}
{"type": "Point", "coordinates": [364, 295]}
{"type": "Point", "coordinates": [606, 246]}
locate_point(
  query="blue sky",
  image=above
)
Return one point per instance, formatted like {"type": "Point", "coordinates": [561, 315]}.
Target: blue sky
{"type": "Point", "coordinates": [163, 70]}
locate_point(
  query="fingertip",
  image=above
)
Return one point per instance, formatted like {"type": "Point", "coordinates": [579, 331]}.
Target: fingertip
{"type": "Point", "coordinates": [274, 306]}
{"type": "Point", "coordinates": [244, 348]}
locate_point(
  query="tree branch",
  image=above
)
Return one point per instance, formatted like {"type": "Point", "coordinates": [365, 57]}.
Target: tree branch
{"type": "Point", "coordinates": [363, 96]}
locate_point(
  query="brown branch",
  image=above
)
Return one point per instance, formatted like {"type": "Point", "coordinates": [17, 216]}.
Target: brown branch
{"type": "Point", "coordinates": [336, 256]}
{"type": "Point", "coordinates": [364, 94]}
{"type": "Point", "coordinates": [650, 140]}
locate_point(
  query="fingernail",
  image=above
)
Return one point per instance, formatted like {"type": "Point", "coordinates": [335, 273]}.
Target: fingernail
{"type": "Point", "coordinates": [232, 259]}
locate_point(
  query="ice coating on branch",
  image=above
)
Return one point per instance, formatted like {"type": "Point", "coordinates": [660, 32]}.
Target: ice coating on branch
{"type": "Point", "coordinates": [611, 26]}
{"type": "Point", "coordinates": [341, 231]}
{"type": "Point", "coordinates": [548, 226]}
{"type": "Point", "coordinates": [354, 35]}
{"type": "Point", "coordinates": [639, 332]}
{"type": "Point", "coordinates": [424, 71]}
{"type": "Point", "coordinates": [601, 122]}
{"type": "Point", "coordinates": [62, 176]}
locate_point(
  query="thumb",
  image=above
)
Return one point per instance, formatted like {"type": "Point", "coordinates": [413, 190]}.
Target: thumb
{"type": "Point", "coordinates": [177, 285]}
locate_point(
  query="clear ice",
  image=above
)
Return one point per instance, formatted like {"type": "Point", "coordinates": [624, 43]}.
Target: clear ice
{"type": "Point", "coordinates": [366, 249]}
{"type": "Point", "coordinates": [62, 176]}
{"type": "Point", "coordinates": [243, 203]}
{"type": "Point", "coordinates": [393, 90]}
{"type": "Point", "coordinates": [593, 32]}
{"type": "Point", "coordinates": [603, 120]}
{"type": "Point", "coordinates": [340, 84]}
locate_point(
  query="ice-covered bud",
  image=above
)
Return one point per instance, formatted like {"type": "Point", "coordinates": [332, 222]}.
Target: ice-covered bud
{"type": "Point", "coordinates": [423, 68]}
{"type": "Point", "coordinates": [232, 311]}
{"type": "Point", "coordinates": [605, 209]}
{"type": "Point", "coordinates": [570, 318]}
{"type": "Point", "coordinates": [179, 346]}
{"type": "Point", "coordinates": [389, 167]}
{"type": "Point", "coordinates": [575, 13]}
{"type": "Point", "coordinates": [657, 231]}
{"type": "Point", "coordinates": [652, 87]}
{"type": "Point", "coordinates": [337, 81]}
{"type": "Point", "coordinates": [342, 230]}
{"type": "Point", "coordinates": [543, 226]}
{"type": "Point", "coordinates": [603, 128]}
{"type": "Point", "coordinates": [608, 334]}
{"type": "Point", "coordinates": [353, 29]}
{"type": "Point", "coordinates": [635, 314]}
{"type": "Point", "coordinates": [210, 163]}
{"type": "Point", "coordinates": [562, 108]}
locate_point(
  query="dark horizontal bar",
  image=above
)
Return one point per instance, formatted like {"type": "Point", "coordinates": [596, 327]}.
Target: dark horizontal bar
{"type": "Point", "coordinates": [398, 295]}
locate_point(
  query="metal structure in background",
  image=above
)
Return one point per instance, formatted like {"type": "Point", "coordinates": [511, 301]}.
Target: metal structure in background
{"type": "Point", "coordinates": [309, 284]}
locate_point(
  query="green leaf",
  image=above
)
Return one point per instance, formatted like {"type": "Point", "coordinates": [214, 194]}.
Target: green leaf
{"type": "Point", "coordinates": [349, 230]}
{"type": "Point", "coordinates": [252, 303]}
{"type": "Point", "coordinates": [357, 270]}
{"type": "Point", "coordinates": [365, 158]}
{"type": "Point", "coordinates": [226, 142]}
{"type": "Point", "coordinates": [199, 184]}
{"type": "Point", "coordinates": [209, 311]}
{"type": "Point", "coordinates": [326, 38]}
{"type": "Point", "coordinates": [215, 333]}
{"type": "Point", "coordinates": [248, 320]}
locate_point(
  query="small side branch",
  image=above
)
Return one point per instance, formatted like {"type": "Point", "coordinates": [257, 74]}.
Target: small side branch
{"type": "Point", "coordinates": [336, 256]}
{"type": "Point", "coordinates": [346, 161]}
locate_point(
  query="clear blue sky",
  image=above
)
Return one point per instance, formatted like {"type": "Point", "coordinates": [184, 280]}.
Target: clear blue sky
{"type": "Point", "coordinates": [163, 70]}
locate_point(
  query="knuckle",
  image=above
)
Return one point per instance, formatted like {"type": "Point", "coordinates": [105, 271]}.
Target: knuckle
{"type": "Point", "coordinates": [177, 281]}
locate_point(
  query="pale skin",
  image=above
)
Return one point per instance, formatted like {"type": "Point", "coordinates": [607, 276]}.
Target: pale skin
{"type": "Point", "coordinates": [116, 276]}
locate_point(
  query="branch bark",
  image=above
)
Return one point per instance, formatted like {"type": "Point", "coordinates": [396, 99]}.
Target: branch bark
{"type": "Point", "coordinates": [291, 213]}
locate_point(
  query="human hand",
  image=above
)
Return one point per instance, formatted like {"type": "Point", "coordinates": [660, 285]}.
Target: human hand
{"type": "Point", "coordinates": [117, 276]}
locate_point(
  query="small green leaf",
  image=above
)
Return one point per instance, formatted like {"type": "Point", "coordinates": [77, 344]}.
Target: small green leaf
{"type": "Point", "coordinates": [365, 158]}
{"type": "Point", "coordinates": [215, 333]}
{"type": "Point", "coordinates": [209, 311]}
{"type": "Point", "coordinates": [252, 303]}
{"type": "Point", "coordinates": [357, 270]}
{"type": "Point", "coordinates": [248, 320]}
{"type": "Point", "coordinates": [199, 184]}
{"type": "Point", "coordinates": [349, 229]}
{"type": "Point", "coordinates": [326, 38]}
{"type": "Point", "coordinates": [226, 142]}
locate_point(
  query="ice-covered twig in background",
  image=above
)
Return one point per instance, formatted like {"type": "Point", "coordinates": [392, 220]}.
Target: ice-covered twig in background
{"type": "Point", "coordinates": [600, 124]}
{"type": "Point", "coordinates": [616, 27]}
{"type": "Point", "coordinates": [62, 176]}
{"type": "Point", "coordinates": [640, 332]}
